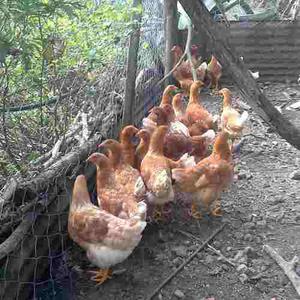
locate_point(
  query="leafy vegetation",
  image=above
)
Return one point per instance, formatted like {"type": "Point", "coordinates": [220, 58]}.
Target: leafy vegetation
{"type": "Point", "coordinates": [41, 42]}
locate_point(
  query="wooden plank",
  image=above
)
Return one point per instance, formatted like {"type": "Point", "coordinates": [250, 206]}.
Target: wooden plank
{"type": "Point", "coordinates": [171, 34]}
{"type": "Point", "coordinates": [131, 69]}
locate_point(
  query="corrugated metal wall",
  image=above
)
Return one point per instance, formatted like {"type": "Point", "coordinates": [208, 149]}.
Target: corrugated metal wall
{"type": "Point", "coordinates": [272, 48]}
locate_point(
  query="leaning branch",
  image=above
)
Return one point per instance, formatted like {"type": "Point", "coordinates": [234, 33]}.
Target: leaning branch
{"type": "Point", "coordinates": [288, 267]}
{"type": "Point", "coordinates": [186, 51]}
{"type": "Point", "coordinates": [201, 247]}
{"type": "Point", "coordinates": [228, 57]}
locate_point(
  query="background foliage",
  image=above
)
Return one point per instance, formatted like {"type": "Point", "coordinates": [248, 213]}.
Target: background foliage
{"type": "Point", "coordinates": [44, 44]}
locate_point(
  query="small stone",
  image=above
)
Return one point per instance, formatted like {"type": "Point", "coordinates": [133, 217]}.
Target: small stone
{"type": "Point", "coordinates": [283, 280]}
{"type": "Point", "coordinates": [277, 201]}
{"type": "Point", "coordinates": [258, 240]}
{"type": "Point", "coordinates": [265, 281]}
{"type": "Point", "coordinates": [179, 294]}
{"type": "Point", "coordinates": [228, 249]}
{"type": "Point", "coordinates": [248, 237]}
{"type": "Point", "coordinates": [193, 248]}
{"type": "Point", "coordinates": [225, 267]}
{"type": "Point", "coordinates": [177, 261]}
{"type": "Point", "coordinates": [160, 297]}
{"type": "Point", "coordinates": [217, 244]}
{"type": "Point", "coordinates": [180, 251]}
{"type": "Point", "coordinates": [295, 175]}
{"type": "Point", "coordinates": [250, 252]}
{"type": "Point", "coordinates": [249, 176]}
{"type": "Point", "coordinates": [242, 175]}
{"type": "Point", "coordinates": [263, 268]}
{"type": "Point", "coordinates": [161, 237]}
{"type": "Point", "coordinates": [216, 271]}
{"type": "Point", "coordinates": [240, 257]}
{"type": "Point", "coordinates": [238, 235]}
{"type": "Point", "coordinates": [243, 278]}
{"type": "Point", "coordinates": [249, 225]}
{"type": "Point", "coordinates": [209, 259]}
{"type": "Point", "coordinates": [242, 268]}
{"type": "Point", "coordinates": [262, 223]}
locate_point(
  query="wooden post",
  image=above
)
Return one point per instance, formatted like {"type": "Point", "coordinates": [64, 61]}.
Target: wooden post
{"type": "Point", "coordinates": [228, 57]}
{"type": "Point", "coordinates": [171, 34]}
{"type": "Point", "coordinates": [131, 68]}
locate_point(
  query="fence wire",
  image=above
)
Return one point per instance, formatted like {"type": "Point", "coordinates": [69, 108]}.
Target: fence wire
{"type": "Point", "coordinates": [43, 145]}
{"type": "Point", "coordinates": [46, 134]}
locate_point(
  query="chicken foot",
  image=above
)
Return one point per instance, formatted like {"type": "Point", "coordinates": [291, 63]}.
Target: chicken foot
{"type": "Point", "coordinates": [216, 211]}
{"type": "Point", "coordinates": [101, 275]}
{"type": "Point", "coordinates": [195, 213]}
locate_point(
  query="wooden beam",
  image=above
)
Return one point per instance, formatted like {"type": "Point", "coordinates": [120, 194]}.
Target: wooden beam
{"type": "Point", "coordinates": [131, 68]}
{"type": "Point", "coordinates": [218, 36]}
{"type": "Point", "coordinates": [171, 34]}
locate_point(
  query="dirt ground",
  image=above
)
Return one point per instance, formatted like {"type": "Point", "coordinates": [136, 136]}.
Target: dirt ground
{"type": "Point", "coordinates": [262, 207]}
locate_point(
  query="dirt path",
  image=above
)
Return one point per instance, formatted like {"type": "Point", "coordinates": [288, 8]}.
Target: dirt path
{"type": "Point", "coordinates": [262, 207]}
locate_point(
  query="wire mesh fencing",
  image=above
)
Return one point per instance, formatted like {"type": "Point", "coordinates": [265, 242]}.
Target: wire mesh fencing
{"type": "Point", "coordinates": [47, 131]}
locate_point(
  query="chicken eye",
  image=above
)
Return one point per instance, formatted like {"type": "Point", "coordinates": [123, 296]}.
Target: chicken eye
{"type": "Point", "coordinates": [135, 140]}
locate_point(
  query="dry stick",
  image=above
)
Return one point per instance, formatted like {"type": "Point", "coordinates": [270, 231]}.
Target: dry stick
{"type": "Point", "coordinates": [7, 192]}
{"type": "Point", "coordinates": [218, 252]}
{"type": "Point", "coordinates": [186, 50]}
{"type": "Point", "coordinates": [185, 263]}
{"type": "Point", "coordinates": [295, 10]}
{"type": "Point", "coordinates": [287, 266]}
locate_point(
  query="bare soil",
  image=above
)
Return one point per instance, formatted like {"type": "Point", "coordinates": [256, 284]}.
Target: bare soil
{"type": "Point", "coordinates": [262, 207]}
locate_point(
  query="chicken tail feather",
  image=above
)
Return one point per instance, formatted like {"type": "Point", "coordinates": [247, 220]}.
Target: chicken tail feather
{"type": "Point", "coordinates": [187, 161]}
{"type": "Point", "coordinates": [209, 135]}
{"type": "Point", "coordinates": [244, 117]}
{"type": "Point", "coordinates": [80, 191]}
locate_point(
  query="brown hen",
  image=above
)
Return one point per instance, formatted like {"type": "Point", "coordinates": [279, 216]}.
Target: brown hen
{"type": "Point", "coordinates": [125, 174]}
{"type": "Point", "coordinates": [206, 181]}
{"type": "Point", "coordinates": [106, 238]}
{"type": "Point", "coordinates": [156, 172]}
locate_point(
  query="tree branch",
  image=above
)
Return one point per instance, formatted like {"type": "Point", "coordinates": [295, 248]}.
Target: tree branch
{"type": "Point", "coordinates": [186, 50]}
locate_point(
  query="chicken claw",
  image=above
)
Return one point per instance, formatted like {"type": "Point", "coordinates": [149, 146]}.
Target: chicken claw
{"type": "Point", "coordinates": [101, 275]}
{"type": "Point", "coordinates": [217, 212]}
{"type": "Point", "coordinates": [195, 213]}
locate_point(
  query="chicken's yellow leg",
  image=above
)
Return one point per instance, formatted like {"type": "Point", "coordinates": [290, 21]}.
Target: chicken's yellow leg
{"type": "Point", "coordinates": [217, 212]}
{"type": "Point", "coordinates": [101, 275]}
{"type": "Point", "coordinates": [157, 215]}
{"type": "Point", "coordinates": [195, 212]}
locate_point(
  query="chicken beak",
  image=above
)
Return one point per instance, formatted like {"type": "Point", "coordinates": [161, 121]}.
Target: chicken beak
{"type": "Point", "coordinates": [89, 159]}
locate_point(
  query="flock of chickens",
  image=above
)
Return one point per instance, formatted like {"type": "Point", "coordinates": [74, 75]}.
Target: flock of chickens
{"type": "Point", "coordinates": [173, 154]}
